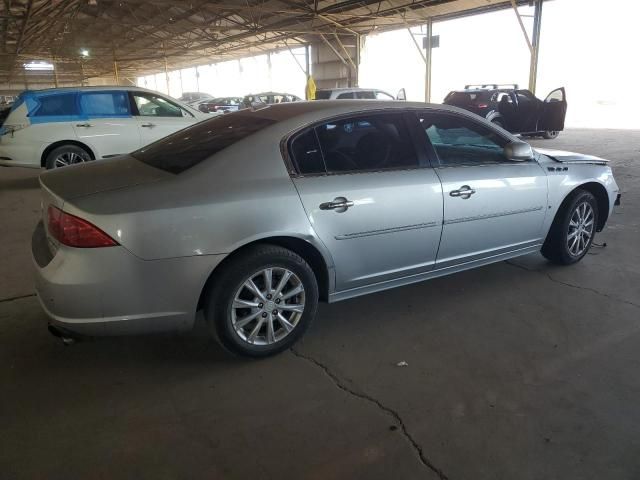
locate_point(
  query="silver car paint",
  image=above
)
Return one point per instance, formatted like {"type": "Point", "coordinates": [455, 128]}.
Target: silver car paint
{"type": "Point", "coordinates": [175, 229]}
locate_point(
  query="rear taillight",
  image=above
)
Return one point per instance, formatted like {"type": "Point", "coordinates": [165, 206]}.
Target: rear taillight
{"type": "Point", "coordinates": [76, 232]}
{"type": "Point", "coordinates": [482, 105]}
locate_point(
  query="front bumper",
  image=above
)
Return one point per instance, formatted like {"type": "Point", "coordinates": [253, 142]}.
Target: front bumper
{"type": "Point", "coordinates": [109, 291]}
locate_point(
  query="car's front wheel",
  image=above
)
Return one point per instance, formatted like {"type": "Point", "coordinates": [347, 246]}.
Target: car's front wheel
{"type": "Point", "coordinates": [66, 155]}
{"type": "Point", "coordinates": [262, 301]}
{"type": "Point", "coordinates": [550, 134]}
{"type": "Point", "coordinates": [573, 229]}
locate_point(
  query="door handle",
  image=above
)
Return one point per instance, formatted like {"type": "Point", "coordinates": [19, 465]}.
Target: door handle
{"type": "Point", "coordinates": [339, 204]}
{"type": "Point", "coordinates": [148, 125]}
{"type": "Point", "coordinates": [85, 125]}
{"type": "Point", "coordinates": [463, 192]}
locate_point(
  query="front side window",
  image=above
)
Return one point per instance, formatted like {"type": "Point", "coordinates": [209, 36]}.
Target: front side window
{"type": "Point", "coordinates": [357, 144]}
{"type": "Point", "coordinates": [461, 141]}
{"type": "Point", "coordinates": [57, 105]}
{"type": "Point", "coordinates": [383, 96]}
{"type": "Point", "coordinates": [153, 106]}
{"type": "Point", "coordinates": [366, 95]}
{"type": "Point", "coordinates": [104, 104]}
{"type": "Point", "coordinates": [190, 146]}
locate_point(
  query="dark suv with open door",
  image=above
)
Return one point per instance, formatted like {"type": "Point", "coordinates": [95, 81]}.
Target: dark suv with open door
{"type": "Point", "coordinates": [514, 109]}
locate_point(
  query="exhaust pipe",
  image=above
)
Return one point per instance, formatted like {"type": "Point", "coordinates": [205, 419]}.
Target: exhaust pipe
{"type": "Point", "coordinates": [67, 338]}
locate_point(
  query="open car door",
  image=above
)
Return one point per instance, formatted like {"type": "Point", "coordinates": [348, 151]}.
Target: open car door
{"type": "Point", "coordinates": [553, 112]}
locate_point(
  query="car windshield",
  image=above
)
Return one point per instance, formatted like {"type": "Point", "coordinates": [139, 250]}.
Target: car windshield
{"type": "Point", "coordinates": [188, 147]}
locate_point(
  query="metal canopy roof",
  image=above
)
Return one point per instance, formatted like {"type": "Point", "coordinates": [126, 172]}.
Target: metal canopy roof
{"type": "Point", "coordinates": [144, 34]}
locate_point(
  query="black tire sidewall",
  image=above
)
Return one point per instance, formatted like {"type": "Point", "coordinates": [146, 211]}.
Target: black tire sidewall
{"type": "Point", "coordinates": [49, 162]}
{"type": "Point", "coordinates": [229, 280]}
{"type": "Point", "coordinates": [550, 135]}
{"type": "Point", "coordinates": [563, 231]}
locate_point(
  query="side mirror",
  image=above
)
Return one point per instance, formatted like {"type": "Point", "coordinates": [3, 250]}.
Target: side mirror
{"type": "Point", "coordinates": [402, 95]}
{"type": "Point", "coordinates": [518, 151]}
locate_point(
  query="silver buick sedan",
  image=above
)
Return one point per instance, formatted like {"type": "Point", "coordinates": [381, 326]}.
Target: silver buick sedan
{"type": "Point", "coordinates": [255, 216]}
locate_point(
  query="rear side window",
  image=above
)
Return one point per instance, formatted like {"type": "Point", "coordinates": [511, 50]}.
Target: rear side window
{"type": "Point", "coordinates": [190, 146]}
{"type": "Point", "coordinates": [105, 104]}
{"type": "Point", "coordinates": [57, 105]}
{"type": "Point", "coordinates": [358, 144]}
{"type": "Point", "coordinates": [323, 94]}
{"type": "Point", "coordinates": [306, 153]}
{"type": "Point", "coordinates": [342, 96]}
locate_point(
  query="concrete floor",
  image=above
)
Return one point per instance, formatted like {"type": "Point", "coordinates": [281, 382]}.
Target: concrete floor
{"type": "Point", "coordinates": [519, 370]}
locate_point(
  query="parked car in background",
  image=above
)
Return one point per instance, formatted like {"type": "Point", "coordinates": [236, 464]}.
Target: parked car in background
{"type": "Point", "coordinates": [514, 109]}
{"type": "Point", "coordinates": [221, 104]}
{"type": "Point", "coordinates": [62, 126]}
{"type": "Point", "coordinates": [190, 97]}
{"type": "Point", "coordinates": [355, 92]}
{"type": "Point", "coordinates": [268, 98]}
{"type": "Point", "coordinates": [256, 215]}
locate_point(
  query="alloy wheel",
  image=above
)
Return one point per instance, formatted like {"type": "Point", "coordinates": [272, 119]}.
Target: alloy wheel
{"type": "Point", "coordinates": [581, 227]}
{"type": "Point", "coordinates": [268, 306]}
{"type": "Point", "coordinates": [67, 158]}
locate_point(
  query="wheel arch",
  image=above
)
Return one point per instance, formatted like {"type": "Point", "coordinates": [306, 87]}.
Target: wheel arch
{"type": "Point", "coordinates": [309, 252]}
{"type": "Point", "coordinates": [60, 143]}
{"type": "Point", "coordinates": [598, 191]}
{"type": "Point", "coordinates": [602, 197]}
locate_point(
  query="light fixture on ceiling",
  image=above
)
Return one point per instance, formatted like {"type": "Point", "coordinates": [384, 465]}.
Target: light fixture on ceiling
{"type": "Point", "coordinates": [38, 66]}
{"type": "Point", "coordinates": [84, 52]}
{"type": "Point", "coordinates": [92, 3]}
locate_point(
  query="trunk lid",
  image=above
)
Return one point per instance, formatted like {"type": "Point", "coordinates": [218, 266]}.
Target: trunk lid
{"type": "Point", "coordinates": [100, 176]}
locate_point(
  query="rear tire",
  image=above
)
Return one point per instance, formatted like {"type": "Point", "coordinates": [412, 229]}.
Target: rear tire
{"type": "Point", "coordinates": [550, 134]}
{"type": "Point", "coordinates": [262, 301]}
{"type": "Point", "coordinates": [573, 229]}
{"type": "Point", "coordinates": [66, 155]}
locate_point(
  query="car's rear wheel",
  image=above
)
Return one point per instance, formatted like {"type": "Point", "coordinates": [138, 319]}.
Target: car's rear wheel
{"type": "Point", "coordinates": [262, 301]}
{"type": "Point", "coordinates": [573, 229]}
{"type": "Point", "coordinates": [66, 155]}
{"type": "Point", "coordinates": [550, 134]}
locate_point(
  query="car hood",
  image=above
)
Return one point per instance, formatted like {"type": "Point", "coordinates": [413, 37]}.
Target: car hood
{"type": "Point", "coordinates": [571, 157]}
{"type": "Point", "coordinates": [100, 176]}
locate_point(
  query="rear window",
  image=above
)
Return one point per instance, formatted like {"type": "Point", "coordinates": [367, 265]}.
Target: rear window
{"type": "Point", "coordinates": [57, 105]}
{"type": "Point", "coordinates": [463, 98]}
{"type": "Point", "coordinates": [188, 147]}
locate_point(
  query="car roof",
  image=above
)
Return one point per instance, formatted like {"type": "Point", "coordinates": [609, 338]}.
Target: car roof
{"type": "Point", "coordinates": [93, 88]}
{"type": "Point", "coordinates": [317, 110]}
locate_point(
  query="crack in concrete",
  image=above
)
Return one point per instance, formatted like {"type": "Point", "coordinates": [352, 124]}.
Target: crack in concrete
{"type": "Point", "coordinates": [19, 297]}
{"type": "Point", "coordinates": [572, 285]}
{"type": "Point", "coordinates": [392, 413]}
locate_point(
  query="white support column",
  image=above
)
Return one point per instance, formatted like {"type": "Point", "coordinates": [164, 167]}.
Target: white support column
{"type": "Point", "coordinates": [428, 52]}
{"type": "Point", "coordinates": [537, 25]}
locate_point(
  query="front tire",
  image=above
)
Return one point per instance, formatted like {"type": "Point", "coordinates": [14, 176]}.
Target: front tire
{"type": "Point", "coordinates": [550, 134]}
{"type": "Point", "coordinates": [66, 155]}
{"type": "Point", "coordinates": [262, 301]}
{"type": "Point", "coordinates": [573, 229]}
